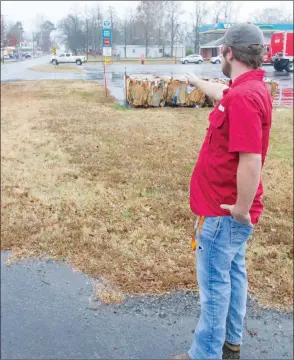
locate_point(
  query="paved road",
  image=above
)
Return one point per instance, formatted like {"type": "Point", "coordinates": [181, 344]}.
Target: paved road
{"type": "Point", "coordinates": [46, 314]}
{"type": "Point", "coordinates": [115, 75]}
{"type": "Point", "coordinates": [18, 71]}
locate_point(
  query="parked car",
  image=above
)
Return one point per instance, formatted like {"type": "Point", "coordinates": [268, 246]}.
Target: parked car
{"type": "Point", "coordinates": [193, 58]}
{"type": "Point", "coordinates": [26, 55]}
{"type": "Point", "coordinates": [68, 58]}
{"type": "Point", "coordinates": [6, 57]}
{"type": "Point", "coordinates": [216, 59]}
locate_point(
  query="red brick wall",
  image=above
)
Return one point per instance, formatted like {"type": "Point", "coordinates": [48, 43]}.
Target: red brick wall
{"type": "Point", "coordinates": [208, 53]}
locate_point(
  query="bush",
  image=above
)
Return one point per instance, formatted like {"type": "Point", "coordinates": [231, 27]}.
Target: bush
{"type": "Point", "coordinates": [189, 52]}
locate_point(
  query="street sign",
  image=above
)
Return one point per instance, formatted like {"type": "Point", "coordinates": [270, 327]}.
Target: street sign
{"type": "Point", "coordinates": [106, 37]}
{"type": "Point", "coordinates": [106, 33]}
{"type": "Point", "coordinates": [107, 51]}
{"type": "Point", "coordinates": [54, 50]}
{"type": "Point", "coordinates": [106, 42]}
{"type": "Point", "coordinates": [106, 24]}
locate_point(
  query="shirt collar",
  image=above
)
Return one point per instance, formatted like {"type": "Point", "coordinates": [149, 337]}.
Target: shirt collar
{"type": "Point", "coordinates": [249, 75]}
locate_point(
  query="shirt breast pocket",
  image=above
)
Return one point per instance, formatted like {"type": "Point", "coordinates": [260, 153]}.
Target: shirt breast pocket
{"type": "Point", "coordinates": [217, 119]}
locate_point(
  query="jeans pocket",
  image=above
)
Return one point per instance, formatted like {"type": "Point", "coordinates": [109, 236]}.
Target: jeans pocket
{"type": "Point", "coordinates": [240, 232]}
{"type": "Point", "coordinates": [210, 228]}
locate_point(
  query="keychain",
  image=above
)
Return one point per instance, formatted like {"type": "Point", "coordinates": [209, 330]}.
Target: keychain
{"type": "Point", "coordinates": [198, 227]}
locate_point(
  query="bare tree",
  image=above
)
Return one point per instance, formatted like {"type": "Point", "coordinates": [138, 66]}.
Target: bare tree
{"type": "Point", "coordinates": [160, 21]}
{"type": "Point", "coordinates": [115, 23]}
{"type": "Point", "coordinates": [125, 36]}
{"type": "Point", "coordinates": [236, 7]}
{"type": "Point", "coordinates": [131, 25]}
{"type": "Point", "coordinates": [73, 30]}
{"type": "Point", "coordinates": [272, 16]}
{"type": "Point", "coordinates": [217, 8]}
{"type": "Point", "coordinates": [95, 30]}
{"type": "Point", "coordinates": [173, 12]}
{"type": "Point", "coordinates": [227, 10]}
{"type": "Point", "coordinates": [145, 14]}
{"type": "Point", "coordinates": [198, 20]}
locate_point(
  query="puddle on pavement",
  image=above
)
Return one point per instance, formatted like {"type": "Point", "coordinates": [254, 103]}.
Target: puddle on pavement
{"type": "Point", "coordinates": [115, 77]}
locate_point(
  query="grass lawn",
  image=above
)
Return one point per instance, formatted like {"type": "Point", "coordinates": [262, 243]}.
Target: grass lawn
{"type": "Point", "coordinates": [106, 189]}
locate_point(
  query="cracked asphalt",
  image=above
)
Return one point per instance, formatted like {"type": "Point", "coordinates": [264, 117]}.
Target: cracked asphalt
{"type": "Point", "coordinates": [48, 312]}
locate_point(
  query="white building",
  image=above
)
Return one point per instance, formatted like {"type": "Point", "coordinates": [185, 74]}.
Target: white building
{"type": "Point", "coordinates": [154, 51]}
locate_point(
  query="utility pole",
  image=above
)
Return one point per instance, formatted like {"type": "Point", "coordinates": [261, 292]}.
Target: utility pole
{"type": "Point", "coordinates": [20, 37]}
{"type": "Point", "coordinates": [2, 37]}
{"type": "Point", "coordinates": [87, 37]}
{"type": "Point", "coordinates": [33, 45]}
{"type": "Point", "coordinates": [42, 39]}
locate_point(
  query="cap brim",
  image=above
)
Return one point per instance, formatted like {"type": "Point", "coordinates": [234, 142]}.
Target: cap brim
{"type": "Point", "coordinates": [220, 41]}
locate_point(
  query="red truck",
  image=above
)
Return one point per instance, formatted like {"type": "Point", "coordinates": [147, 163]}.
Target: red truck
{"type": "Point", "coordinates": [282, 51]}
{"type": "Point", "coordinates": [267, 56]}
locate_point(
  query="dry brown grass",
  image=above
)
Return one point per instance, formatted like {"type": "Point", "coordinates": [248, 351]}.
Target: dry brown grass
{"type": "Point", "coordinates": [57, 69]}
{"type": "Point", "coordinates": [107, 293]}
{"type": "Point", "coordinates": [107, 189]}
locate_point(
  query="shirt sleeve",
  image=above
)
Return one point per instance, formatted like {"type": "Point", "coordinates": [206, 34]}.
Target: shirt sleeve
{"type": "Point", "coordinates": [245, 125]}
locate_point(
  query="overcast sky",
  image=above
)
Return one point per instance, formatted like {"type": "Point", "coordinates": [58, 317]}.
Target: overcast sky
{"type": "Point", "coordinates": [29, 11]}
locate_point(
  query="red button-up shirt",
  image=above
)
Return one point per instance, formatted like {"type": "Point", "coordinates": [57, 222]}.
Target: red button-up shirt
{"type": "Point", "coordinates": [240, 122]}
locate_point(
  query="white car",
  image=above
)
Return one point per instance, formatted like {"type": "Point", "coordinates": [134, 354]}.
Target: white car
{"type": "Point", "coordinates": [194, 58]}
{"type": "Point", "coordinates": [216, 59]}
{"type": "Point", "coordinates": [68, 58]}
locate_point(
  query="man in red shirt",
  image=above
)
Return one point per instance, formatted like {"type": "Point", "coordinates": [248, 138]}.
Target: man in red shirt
{"type": "Point", "coordinates": [226, 191]}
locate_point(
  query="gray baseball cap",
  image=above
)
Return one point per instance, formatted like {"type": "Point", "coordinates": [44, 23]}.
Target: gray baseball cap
{"type": "Point", "coordinates": [241, 36]}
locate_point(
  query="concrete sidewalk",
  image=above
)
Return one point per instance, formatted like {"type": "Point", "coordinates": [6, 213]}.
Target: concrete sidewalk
{"type": "Point", "coordinates": [48, 313]}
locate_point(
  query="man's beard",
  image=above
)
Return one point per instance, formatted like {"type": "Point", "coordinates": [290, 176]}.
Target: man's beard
{"type": "Point", "coordinates": [226, 68]}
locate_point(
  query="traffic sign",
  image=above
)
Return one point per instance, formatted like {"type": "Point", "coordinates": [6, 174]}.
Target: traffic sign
{"type": "Point", "coordinates": [107, 51]}
{"type": "Point", "coordinates": [106, 42]}
{"type": "Point", "coordinates": [106, 33]}
{"type": "Point", "coordinates": [54, 50]}
{"type": "Point", "coordinates": [106, 24]}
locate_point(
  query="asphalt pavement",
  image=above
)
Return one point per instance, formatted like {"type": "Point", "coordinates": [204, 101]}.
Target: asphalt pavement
{"type": "Point", "coordinates": [48, 310]}
{"type": "Point", "coordinates": [18, 71]}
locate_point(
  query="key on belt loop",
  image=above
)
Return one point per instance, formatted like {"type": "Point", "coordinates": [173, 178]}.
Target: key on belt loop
{"type": "Point", "coordinates": [195, 236]}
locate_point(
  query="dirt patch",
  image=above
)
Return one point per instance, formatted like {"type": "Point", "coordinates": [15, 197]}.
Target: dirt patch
{"type": "Point", "coordinates": [57, 69]}
{"type": "Point", "coordinates": [107, 189]}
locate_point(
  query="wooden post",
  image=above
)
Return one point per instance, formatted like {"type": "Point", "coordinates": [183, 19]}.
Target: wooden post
{"type": "Point", "coordinates": [126, 91]}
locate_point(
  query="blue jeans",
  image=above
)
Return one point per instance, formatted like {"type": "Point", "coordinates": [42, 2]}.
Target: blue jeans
{"type": "Point", "coordinates": [222, 281]}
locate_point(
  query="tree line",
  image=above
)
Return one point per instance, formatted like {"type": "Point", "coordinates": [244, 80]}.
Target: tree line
{"type": "Point", "coordinates": [162, 23]}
